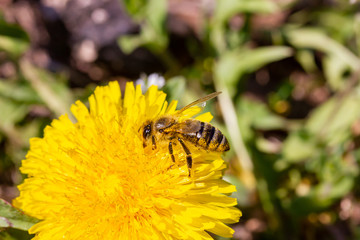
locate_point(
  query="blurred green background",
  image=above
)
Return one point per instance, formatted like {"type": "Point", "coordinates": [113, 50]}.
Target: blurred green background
{"type": "Point", "coordinates": [289, 71]}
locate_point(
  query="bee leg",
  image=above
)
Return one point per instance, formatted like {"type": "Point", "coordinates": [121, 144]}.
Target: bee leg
{"type": "Point", "coordinates": [153, 142]}
{"type": "Point", "coordinates": [188, 155]}
{"type": "Point", "coordinates": [171, 151]}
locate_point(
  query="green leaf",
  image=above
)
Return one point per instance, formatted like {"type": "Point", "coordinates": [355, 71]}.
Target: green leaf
{"type": "Point", "coordinates": [15, 234]}
{"type": "Point", "coordinates": [316, 39]}
{"type": "Point", "coordinates": [175, 88]}
{"type": "Point", "coordinates": [298, 146]}
{"type": "Point", "coordinates": [50, 88]}
{"type": "Point", "coordinates": [29, 130]}
{"type": "Point", "coordinates": [135, 7]}
{"type": "Point", "coordinates": [267, 146]}
{"type": "Point", "coordinates": [339, 188]}
{"type": "Point", "coordinates": [227, 8]}
{"type": "Point", "coordinates": [338, 59]}
{"type": "Point", "coordinates": [254, 114]}
{"type": "Point", "coordinates": [153, 34]}
{"type": "Point", "coordinates": [11, 217]}
{"type": "Point", "coordinates": [306, 59]}
{"type": "Point", "coordinates": [19, 92]}
{"type": "Point", "coordinates": [129, 43]}
{"type": "Point", "coordinates": [334, 70]}
{"type": "Point", "coordinates": [332, 120]}
{"type": "Point", "coordinates": [11, 112]}
{"type": "Point", "coordinates": [321, 196]}
{"type": "Point", "coordinates": [339, 25]}
{"type": "Point", "coordinates": [6, 236]}
{"type": "Point", "coordinates": [233, 64]}
{"type": "Point", "coordinates": [13, 39]}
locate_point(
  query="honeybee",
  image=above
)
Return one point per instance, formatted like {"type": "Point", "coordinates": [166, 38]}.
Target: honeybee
{"type": "Point", "coordinates": [169, 129]}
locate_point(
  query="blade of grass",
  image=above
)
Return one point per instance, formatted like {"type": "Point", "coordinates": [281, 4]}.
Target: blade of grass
{"type": "Point", "coordinates": [230, 118]}
{"type": "Point", "coordinates": [56, 103]}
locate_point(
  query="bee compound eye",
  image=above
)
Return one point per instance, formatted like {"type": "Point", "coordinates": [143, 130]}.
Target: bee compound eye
{"type": "Point", "coordinates": [147, 131]}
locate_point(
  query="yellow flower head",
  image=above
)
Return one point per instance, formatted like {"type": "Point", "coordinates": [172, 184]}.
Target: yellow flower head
{"type": "Point", "coordinates": [93, 179]}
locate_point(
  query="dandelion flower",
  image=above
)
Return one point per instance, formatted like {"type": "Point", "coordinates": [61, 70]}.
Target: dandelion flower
{"type": "Point", "coordinates": [93, 179]}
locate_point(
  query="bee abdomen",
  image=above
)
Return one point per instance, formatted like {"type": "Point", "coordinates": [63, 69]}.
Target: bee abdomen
{"type": "Point", "coordinates": [211, 138]}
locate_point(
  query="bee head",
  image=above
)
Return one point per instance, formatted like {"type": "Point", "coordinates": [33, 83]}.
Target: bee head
{"type": "Point", "coordinates": [147, 131]}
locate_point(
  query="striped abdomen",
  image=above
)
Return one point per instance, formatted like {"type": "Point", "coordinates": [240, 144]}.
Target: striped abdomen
{"type": "Point", "coordinates": [204, 135]}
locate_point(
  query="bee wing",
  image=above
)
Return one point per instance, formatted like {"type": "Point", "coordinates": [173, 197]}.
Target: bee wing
{"type": "Point", "coordinates": [189, 126]}
{"type": "Point", "coordinates": [199, 101]}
